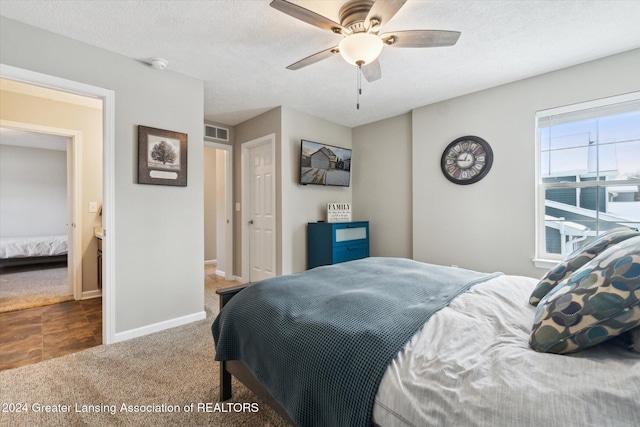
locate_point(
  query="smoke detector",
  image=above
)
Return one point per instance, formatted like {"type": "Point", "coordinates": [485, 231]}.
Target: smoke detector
{"type": "Point", "coordinates": [159, 63]}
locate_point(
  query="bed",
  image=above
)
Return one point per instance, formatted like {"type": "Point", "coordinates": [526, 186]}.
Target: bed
{"type": "Point", "coordinates": [469, 363]}
{"type": "Point", "coordinates": [32, 250]}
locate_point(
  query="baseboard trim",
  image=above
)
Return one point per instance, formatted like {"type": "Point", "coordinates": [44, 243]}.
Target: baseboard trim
{"type": "Point", "coordinates": [96, 293]}
{"type": "Point", "coordinates": [157, 327]}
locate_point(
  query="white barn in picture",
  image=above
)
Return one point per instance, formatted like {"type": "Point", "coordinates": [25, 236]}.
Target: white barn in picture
{"type": "Point", "coordinates": [324, 158]}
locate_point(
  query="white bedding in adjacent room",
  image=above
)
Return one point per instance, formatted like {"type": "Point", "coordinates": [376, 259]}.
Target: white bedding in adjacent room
{"type": "Point", "coordinates": [21, 247]}
{"type": "Point", "coordinates": [471, 365]}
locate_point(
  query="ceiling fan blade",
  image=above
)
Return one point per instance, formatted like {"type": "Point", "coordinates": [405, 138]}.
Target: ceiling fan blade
{"type": "Point", "coordinates": [420, 38]}
{"type": "Point", "coordinates": [308, 16]}
{"type": "Point", "coordinates": [316, 57]}
{"type": "Point", "coordinates": [382, 11]}
{"type": "Point", "coordinates": [372, 71]}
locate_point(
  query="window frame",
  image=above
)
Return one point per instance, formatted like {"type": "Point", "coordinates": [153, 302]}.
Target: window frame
{"type": "Point", "coordinates": [542, 258]}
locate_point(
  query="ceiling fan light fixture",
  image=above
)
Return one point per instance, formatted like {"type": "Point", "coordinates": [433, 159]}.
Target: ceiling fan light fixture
{"type": "Point", "coordinates": [360, 48]}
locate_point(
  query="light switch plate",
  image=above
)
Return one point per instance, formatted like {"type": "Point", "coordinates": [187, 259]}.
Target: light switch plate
{"type": "Point", "coordinates": [93, 207]}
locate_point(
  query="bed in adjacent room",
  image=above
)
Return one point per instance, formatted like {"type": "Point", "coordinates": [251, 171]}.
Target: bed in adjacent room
{"type": "Point", "coordinates": [32, 250]}
{"type": "Point", "coordinates": [395, 342]}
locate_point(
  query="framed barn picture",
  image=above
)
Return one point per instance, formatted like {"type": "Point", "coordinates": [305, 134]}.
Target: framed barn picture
{"type": "Point", "coordinates": [162, 157]}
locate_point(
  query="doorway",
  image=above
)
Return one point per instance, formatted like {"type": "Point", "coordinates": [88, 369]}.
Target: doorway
{"type": "Point", "coordinates": [107, 98]}
{"type": "Point", "coordinates": [36, 189]}
{"type": "Point", "coordinates": [218, 215]}
{"type": "Point", "coordinates": [27, 136]}
{"type": "Point", "coordinates": [259, 212]}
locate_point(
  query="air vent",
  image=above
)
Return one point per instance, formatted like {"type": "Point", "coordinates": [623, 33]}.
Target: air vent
{"type": "Point", "coordinates": [216, 132]}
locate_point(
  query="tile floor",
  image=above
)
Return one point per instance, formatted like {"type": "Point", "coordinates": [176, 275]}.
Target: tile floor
{"type": "Point", "coordinates": [41, 333]}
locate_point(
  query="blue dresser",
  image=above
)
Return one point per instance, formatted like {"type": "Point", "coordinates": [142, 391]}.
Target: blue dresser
{"type": "Point", "coordinates": [331, 243]}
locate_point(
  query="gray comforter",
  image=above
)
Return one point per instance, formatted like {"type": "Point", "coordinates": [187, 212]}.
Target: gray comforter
{"type": "Point", "coordinates": [471, 366]}
{"type": "Point", "coordinates": [320, 341]}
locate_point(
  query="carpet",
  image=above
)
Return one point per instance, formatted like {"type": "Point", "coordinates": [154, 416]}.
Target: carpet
{"type": "Point", "coordinates": [168, 378]}
{"type": "Point", "coordinates": [28, 287]}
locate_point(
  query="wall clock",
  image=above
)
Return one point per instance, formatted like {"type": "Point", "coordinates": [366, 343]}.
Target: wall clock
{"type": "Point", "coordinates": [466, 160]}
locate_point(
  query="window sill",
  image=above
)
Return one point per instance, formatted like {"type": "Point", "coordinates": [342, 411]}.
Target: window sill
{"type": "Point", "coordinates": [545, 263]}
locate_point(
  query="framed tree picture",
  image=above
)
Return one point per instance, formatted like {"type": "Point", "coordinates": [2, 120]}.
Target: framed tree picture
{"type": "Point", "coordinates": [162, 157]}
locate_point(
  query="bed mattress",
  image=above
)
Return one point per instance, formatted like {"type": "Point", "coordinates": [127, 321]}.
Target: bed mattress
{"type": "Point", "coordinates": [24, 247]}
{"type": "Point", "coordinates": [471, 365]}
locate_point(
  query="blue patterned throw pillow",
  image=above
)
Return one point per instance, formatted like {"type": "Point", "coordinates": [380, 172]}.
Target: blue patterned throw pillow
{"type": "Point", "coordinates": [577, 259]}
{"type": "Point", "coordinates": [599, 301]}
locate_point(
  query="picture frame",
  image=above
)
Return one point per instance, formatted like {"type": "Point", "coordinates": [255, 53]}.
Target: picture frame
{"type": "Point", "coordinates": [162, 157]}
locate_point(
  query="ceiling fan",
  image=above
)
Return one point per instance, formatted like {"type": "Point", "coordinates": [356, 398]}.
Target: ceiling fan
{"type": "Point", "coordinates": [360, 24]}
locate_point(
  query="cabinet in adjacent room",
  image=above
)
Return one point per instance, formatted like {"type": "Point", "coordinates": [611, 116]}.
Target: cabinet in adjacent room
{"type": "Point", "coordinates": [99, 263]}
{"type": "Point", "coordinates": [335, 242]}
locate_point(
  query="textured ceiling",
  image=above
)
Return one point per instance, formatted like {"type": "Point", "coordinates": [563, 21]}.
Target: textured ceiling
{"type": "Point", "coordinates": [241, 48]}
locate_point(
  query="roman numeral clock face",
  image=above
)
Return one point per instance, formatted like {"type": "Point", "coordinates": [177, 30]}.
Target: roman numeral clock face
{"type": "Point", "coordinates": [466, 160]}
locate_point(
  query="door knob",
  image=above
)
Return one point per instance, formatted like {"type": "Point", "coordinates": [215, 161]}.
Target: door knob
{"type": "Point", "coordinates": [250, 222]}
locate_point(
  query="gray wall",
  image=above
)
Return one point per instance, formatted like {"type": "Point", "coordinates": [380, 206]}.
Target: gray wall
{"type": "Point", "coordinates": [33, 192]}
{"type": "Point", "coordinates": [382, 184]}
{"type": "Point", "coordinates": [158, 237]}
{"type": "Point", "coordinates": [487, 226]}
{"type": "Point", "coordinates": [305, 203]}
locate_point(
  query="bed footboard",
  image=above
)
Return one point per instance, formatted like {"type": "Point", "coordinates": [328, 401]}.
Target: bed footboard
{"type": "Point", "coordinates": [225, 376]}
{"type": "Point", "coordinates": [241, 372]}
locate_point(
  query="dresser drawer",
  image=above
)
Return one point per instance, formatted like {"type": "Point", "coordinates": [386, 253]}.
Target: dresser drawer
{"type": "Point", "coordinates": [350, 252]}
{"type": "Point", "coordinates": [350, 234]}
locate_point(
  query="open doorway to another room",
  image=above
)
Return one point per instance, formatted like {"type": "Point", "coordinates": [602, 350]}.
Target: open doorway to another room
{"type": "Point", "coordinates": [217, 215]}
{"type": "Point", "coordinates": [35, 211]}
{"type": "Point", "coordinates": [51, 192]}
{"type": "Point", "coordinates": [214, 226]}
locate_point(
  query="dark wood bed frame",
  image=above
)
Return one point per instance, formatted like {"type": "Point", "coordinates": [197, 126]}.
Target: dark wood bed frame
{"type": "Point", "coordinates": [12, 262]}
{"type": "Point", "coordinates": [241, 372]}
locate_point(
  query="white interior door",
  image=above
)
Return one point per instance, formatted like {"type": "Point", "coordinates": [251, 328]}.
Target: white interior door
{"type": "Point", "coordinates": [262, 222]}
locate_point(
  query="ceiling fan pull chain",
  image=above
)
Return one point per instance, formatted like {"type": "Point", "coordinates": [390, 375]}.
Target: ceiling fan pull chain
{"type": "Point", "coordinates": [359, 82]}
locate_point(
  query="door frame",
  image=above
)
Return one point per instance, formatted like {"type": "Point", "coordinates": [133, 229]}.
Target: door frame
{"type": "Point", "coordinates": [74, 196]}
{"type": "Point", "coordinates": [246, 184]}
{"type": "Point", "coordinates": [228, 274]}
{"type": "Point", "coordinates": [108, 178]}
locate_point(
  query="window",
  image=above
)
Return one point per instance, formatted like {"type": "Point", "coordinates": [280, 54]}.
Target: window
{"type": "Point", "coordinates": [587, 173]}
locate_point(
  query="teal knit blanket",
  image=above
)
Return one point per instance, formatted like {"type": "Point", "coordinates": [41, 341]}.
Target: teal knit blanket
{"type": "Point", "coordinates": [320, 341]}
